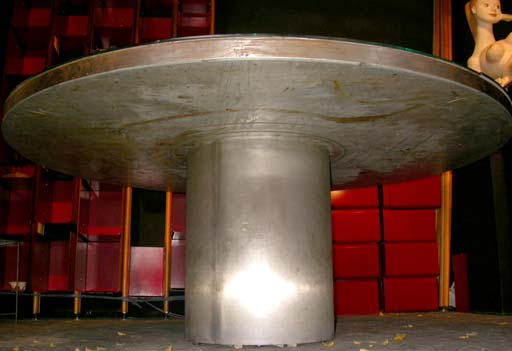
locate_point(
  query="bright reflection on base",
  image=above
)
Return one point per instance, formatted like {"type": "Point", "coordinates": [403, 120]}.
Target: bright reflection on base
{"type": "Point", "coordinates": [259, 289]}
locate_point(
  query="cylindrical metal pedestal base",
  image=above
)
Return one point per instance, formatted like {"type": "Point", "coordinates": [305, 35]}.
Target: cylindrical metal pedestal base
{"type": "Point", "coordinates": [259, 266]}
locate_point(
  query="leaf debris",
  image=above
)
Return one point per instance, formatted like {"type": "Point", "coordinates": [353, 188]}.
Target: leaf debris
{"type": "Point", "coordinates": [400, 337]}
{"type": "Point", "coordinates": [468, 335]}
{"type": "Point", "coordinates": [328, 343]}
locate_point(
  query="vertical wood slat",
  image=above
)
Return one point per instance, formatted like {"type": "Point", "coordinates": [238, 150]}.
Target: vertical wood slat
{"type": "Point", "coordinates": [442, 47]}
{"type": "Point", "coordinates": [167, 250]}
{"type": "Point", "coordinates": [125, 248]}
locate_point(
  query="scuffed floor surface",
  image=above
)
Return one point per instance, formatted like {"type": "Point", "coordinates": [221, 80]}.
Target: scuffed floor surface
{"type": "Point", "coordinates": [427, 331]}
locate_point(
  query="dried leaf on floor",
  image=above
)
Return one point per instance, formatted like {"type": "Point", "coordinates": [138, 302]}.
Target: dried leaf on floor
{"type": "Point", "coordinates": [400, 337]}
{"type": "Point", "coordinates": [385, 342]}
{"type": "Point", "coordinates": [503, 323]}
{"type": "Point", "coordinates": [121, 333]}
{"type": "Point", "coordinates": [170, 348]}
{"type": "Point", "coordinates": [363, 350]}
{"type": "Point", "coordinates": [468, 335]}
{"type": "Point", "coordinates": [356, 342]}
{"type": "Point", "coordinates": [99, 348]}
{"type": "Point", "coordinates": [328, 343]}
{"type": "Point", "coordinates": [16, 349]}
{"type": "Point", "coordinates": [88, 349]}
{"type": "Point", "coordinates": [52, 345]}
{"type": "Point", "coordinates": [409, 326]}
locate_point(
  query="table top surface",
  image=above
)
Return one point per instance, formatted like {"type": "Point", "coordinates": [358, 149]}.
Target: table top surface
{"type": "Point", "coordinates": [130, 116]}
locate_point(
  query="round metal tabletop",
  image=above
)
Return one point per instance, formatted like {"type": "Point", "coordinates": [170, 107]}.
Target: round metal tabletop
{"type": "Point", "coordinates": [130, 116]}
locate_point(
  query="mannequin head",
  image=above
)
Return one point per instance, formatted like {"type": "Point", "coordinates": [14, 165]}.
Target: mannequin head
{"type": "Point", "coordinates": [486, 10]}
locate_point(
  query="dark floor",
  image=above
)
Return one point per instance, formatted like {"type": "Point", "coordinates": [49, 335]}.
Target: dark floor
{"type": "Point", "coordinates": [427, 331]}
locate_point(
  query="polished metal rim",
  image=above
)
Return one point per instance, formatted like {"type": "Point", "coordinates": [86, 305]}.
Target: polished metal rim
{"type": "Point", "coordinates": [214, 47]}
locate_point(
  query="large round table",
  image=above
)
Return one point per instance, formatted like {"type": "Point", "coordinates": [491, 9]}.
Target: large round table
{"type": "Point", "coordinates": [257, 130]}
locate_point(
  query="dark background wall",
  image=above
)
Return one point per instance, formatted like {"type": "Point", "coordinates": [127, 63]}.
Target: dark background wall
{"type": "Point", "coordinates": [399, 22]}
{"type": "Point", "coordinates": [481, 200]}
{"type": "Point", "coordinates": [148, 218]}
{"type": "Point", "coordinates": [5, 16]}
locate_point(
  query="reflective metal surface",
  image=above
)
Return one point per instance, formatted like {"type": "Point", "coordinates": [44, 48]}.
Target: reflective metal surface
{"type": "Point", "coordinates": [259, 261]}
{"type": "Point", "coordinates": [131, 116]}
{"type": "Point", "coordinates": [257, 129]}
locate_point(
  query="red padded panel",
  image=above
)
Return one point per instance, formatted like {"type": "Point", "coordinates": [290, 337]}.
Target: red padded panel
{"type": "Point", "coordinates": [422, 193]}
{"type": "Point", "coordinates": [146, 271]}
{"type": "Point", "coordinates": [193, 25]}
{"type": "Point", "coordinates": [58, 277]}
{"type": "Point", "coordinates": [355, 198]}
{"type": "Point", "coordinates": [350, 226]}
{"type": "Point", "coordinates": [194, 7]}
{"type": "Point", "coordinates": [356, 297]}
{"type": "Point", "coordinates": [31, 29]}
{"type": "Point", "coordinates": [40, 266]}
{"type": "Point", "coordinates": [409, 225]}
{"type": "Point", "coordinates": [55, 202]}
{"type": "Point", "coordinates": [114, 17]}
{"type": "Point", "coordinates": [16, 207]}
{"type": "Point", "coordinates": [72, 26]}
{"type": "Point", "coordinates": [62, 206]}
{"type": "Point", "coordinates": [34, 17]}
{"type": "Point", "coordinates": [178, 264]}
{"type": "Point", "coordinates": [356, 261]}
{"type": "Point", "coordinates": [155, 28]}
{"type": "Point", "coordinates": [25, 66]}
{"type": "Point", "coordinates": [411, 259]}
{"type": "Point", "coordinates": [101, 211]}
{"type": "Point", "coordinates": [179, 213]}
{"type": "Point", "coordinates": [103, 267]}
{"type": "Point", "coordinates": [410, 294]}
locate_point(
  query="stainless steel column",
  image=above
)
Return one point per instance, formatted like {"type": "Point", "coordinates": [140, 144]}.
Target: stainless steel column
{"type": "Point", "coordinates": [259, 266]}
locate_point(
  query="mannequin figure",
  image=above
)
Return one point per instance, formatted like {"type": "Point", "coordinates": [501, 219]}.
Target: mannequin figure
{"type": "Point", "coordinates": [491, 57]}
